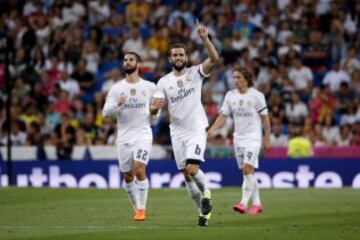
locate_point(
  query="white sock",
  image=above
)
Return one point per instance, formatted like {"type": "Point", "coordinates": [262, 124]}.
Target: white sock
{"type": "Point", "coordinates": [255, 194]}
{"type": "Point", "coordinates": [142, 190]}
{"type": "Point", "coordinates": [199, 180]}
{"type": "Point", "coordinates": [132, 194]}
{"type": "Point", "coordinates": [247, 188]}
{"type": "Point", "coordinates": [194, 194]}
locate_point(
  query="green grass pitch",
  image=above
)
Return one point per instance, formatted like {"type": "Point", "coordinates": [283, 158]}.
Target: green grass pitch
{"type": "Point", "coordinates": [106, 214]}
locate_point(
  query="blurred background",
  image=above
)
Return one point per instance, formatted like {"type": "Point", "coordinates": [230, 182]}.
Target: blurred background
{"type": "Point", "coordinates": [65, 54]}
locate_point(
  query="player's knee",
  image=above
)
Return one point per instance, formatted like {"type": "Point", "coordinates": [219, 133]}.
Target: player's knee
{"type": "Point", "coordinates": [140, 173]}
{"type": "Point", "coordinates": [191, 170]}
{"type": "Point", "coordinates": [192, 167]}
{"type": "Point", "coordinates": [128, 177]}
{"type": "Point", "coordinates": [187, 176]}
{"type": "Point", "coordinates": [248, 169]}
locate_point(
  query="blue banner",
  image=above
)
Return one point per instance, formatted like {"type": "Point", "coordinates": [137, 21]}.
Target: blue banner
{"type": "Point", "coordinates": [273, 173]}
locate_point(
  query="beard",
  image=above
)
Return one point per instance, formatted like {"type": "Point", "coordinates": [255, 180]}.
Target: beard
{"type": "Point", "coordinates": [179, 67]}
{"type": "Point", "coordinates": [130, 70]}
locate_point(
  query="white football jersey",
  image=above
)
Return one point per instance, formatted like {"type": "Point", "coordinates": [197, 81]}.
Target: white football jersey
{"type": "Point", "coordinates": [245, 109]}
{"type": "Point", "coordinates": [183, 96]}
{"type": "Point", "coordinates": [133, 117]}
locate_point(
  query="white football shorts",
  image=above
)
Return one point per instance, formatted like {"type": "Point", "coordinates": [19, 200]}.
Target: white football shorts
{"type": "Point", "coordinates": [248, 155]}
{"type": "Point", "coordinates": [133, 151]}
{"type": "Point", "coordinates": [190, 146]}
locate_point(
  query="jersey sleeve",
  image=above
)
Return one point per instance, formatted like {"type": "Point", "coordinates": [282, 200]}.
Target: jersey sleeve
{"type": "Point", "coordinates": [111, 107]}
{"type": "Point", "coordinates": [198, 70]}
{"type": "Point", "coordinates": [261, 106]}
{"type": "Point", "coordinates": [225, 108]}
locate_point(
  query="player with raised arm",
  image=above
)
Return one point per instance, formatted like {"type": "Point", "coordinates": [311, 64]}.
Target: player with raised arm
{"type": "Point", "coordinates": [247, 106]}
{"type": "Point", "coordinates": [129, 101]}
{"type": "Point", "coordinates": [181, 89]}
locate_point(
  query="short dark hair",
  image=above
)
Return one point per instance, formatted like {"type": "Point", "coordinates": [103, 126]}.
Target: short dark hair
{"type": "Point", "coordinates": [137, 56]}
{"type": "Point", "coordinates": [247, 73]}
{"type": "Point", "coordinates": [177, 45]}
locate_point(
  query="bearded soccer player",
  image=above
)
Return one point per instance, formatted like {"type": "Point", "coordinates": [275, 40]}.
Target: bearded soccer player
{"type": "Point", "coordinates": [129, 101]}
{"type": "Point", "coordinates": [181, 89]}
{"type": "Point", "coordinates": [248, 108]}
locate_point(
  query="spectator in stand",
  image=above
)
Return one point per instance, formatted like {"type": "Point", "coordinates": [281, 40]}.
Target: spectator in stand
{"type": "Point", "coordinates": [33, 136]}
{"type": "Point", "coordinates": [355, 141]}
{"type": "Point", "coordinates": [344, 97]}
{"type": "Point", "coordinates": [351, 114]}
{"type": "Point", "coordinates": [278, 138]}
{"type": "Point", "coordinates": [355, 81]}
{"type": "Point", "coordinates": [302, 78]}
{"type": "Point", "coordinates": [85, 78]}
{"type": "Point", "coordinates": [183, 12]}
{"type": "Point", "coordinates": [160, 40]}
{"type": "Point", "coordinates": [323, 103]}
{"type": "Point", "coordinates": [89, 127]}
{"type": "Point", "coordinates": [137, 12]}
{"type": "Point", "coordinates": [277, 107]}
{"type": "Point", "coordinates": [330, 131]}
{"type": "Point", "coordinates": [317, 137]}
{"type": "Point", "coordinates": [345, 136]}
{"type": "Point", "coordinates": [70, 85]}
{"type": "Point", "coordinates": [91, 54]}
{"type": "Point", "coordinates": [98, 11]}
{"type": "Point", "coordinates": [350, 63]}
{"type": "Point", "coordinates": [65, 137]}
{"type": "Point", "coordinates": [335, 77]}
{"type": "Point", "coordinates": [243, 26]}
{"type": "Point", "coordinates": [17, 137]}
{"type": "Point", "coordinates": [296, 110]}
{"type": "Point", "coordinates": [63, 104]}
{"type": "Point", "coordinates": [315, 54]}
{"type": "Point", "coordinates": [112, 77]}
{"type": "Point", "coordinates": [134, 42]}
{"type": "Point", "coordinates": [288, 48]}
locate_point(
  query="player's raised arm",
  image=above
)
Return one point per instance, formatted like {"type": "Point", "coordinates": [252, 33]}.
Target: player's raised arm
{"type": "Point", "coordinates": [209, 63]}
{"type": "Point", "coordinates": [219, 122]}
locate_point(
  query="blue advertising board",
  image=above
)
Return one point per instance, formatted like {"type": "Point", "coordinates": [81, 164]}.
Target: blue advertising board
{"type": "Point", "coordinates": [273, 173]}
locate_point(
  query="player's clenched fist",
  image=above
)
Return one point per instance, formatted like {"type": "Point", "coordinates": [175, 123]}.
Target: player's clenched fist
{"type": "Point", "coordinates": [121, 100]}
{"type": "Point", "coordinates": [158, 103]}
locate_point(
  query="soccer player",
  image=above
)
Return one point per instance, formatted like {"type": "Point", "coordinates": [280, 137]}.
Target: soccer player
{"type": "Point", "coordinates": [181, 89]}
{"type": "Point", "coordinates": [248, 108]}
{"type": "Point", "coordinates": [129, 100]}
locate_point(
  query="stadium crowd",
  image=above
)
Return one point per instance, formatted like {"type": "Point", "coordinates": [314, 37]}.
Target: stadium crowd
{"type": "Point", "coordinates": [65, 55]}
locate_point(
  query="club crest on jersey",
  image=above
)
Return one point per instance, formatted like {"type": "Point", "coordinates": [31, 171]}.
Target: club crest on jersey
{"type": "Point", "coordinates": [143, 92]}
{"type": "Point", "coordinates": [180, 83]}
{"type": "Point", "coordinates": [133, 91]}
{"type": "Point", "coordinates": [249, 103]}
{"type": "Point", "coordinates": [188, 79]}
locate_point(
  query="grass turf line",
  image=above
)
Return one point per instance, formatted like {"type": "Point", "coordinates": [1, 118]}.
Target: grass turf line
{"type": "Point", "coordinates": [106, 214]}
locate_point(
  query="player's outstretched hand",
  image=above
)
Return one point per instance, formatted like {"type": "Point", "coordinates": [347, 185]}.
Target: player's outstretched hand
{"type": "Point", "coordinates": [201, 30]}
